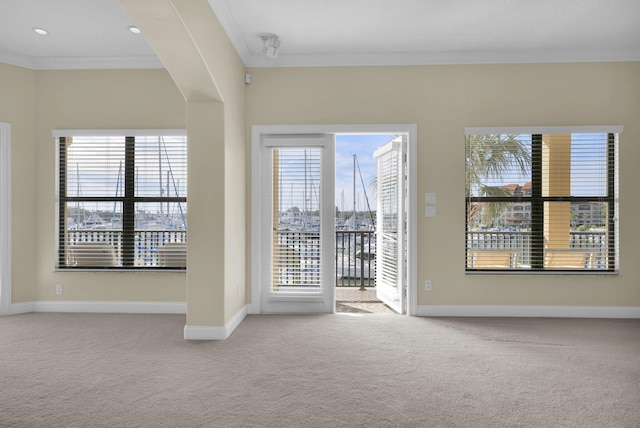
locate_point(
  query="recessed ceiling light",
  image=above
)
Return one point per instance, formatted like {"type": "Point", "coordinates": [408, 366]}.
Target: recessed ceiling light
{"type": "Point", "coordinates": [134, 29]}
{"type": "Point", "coordinates": [40, 31]}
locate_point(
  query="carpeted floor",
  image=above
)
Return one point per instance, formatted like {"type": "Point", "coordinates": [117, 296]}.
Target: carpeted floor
{"type": "Point", "coordinates": [343, 370]}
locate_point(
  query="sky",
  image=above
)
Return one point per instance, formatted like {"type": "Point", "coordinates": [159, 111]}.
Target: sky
{"type": "Point", "coordinates": [363, 147]}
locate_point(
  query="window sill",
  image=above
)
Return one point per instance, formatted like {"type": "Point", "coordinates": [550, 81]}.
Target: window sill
{"type": "Point", "coordinates": [89, 270]}
{"type": "Point", "coordinates": [543, 272]}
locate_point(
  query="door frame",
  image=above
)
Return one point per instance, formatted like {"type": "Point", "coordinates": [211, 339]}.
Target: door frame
{"type": "Point", "coordinates": [5, 219]}
{"type": "Point", "coordinates": [257, 260]}
{"type": "Point", "coordinates": [295, 300]}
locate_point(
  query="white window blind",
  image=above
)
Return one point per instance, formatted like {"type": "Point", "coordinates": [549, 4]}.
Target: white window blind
{"type": "Point", "coordinates": [122, 200]}
{"type": "Point", "coordinates": [296, 202]}
{"type": "Point", "coordinates": [541, 202]}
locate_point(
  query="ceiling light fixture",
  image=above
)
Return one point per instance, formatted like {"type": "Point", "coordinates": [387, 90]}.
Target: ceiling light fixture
{"type": "Point", "coordinates": [134, 29]}
{"type": "Point", "coordinates": [270, 45]}
{"type": "Point", "coordinates": [40, 31]}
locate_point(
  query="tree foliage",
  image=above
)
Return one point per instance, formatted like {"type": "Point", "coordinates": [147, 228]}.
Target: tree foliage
{"type": "Point", "coordinates": [491, 157]}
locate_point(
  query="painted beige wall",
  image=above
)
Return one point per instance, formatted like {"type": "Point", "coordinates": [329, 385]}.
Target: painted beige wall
{"type": "Point", "coordinates": [227, 69]}
{"type": "Point", "coordinates": [197, 53]}
{"type": "Point", "coordinates": [112, 99]}
{"type": "Point", "coordinates": [442, 101]}
{"type": "Point", "coordinates": [44, 100]}
{"type": "Point", "coordinates": [17, 107]}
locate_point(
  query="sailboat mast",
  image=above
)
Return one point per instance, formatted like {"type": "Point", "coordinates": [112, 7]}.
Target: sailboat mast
{"type": "Point", "coordinates": [160, 177]}
{"type": "Point", "coordinates": [113, 214]}
{"type": "Point", "coordinates": [78, 194]}
{"type": "Point", "coordinates": [354, 192]}
{"type": "Point", "coordinates": [306, 210]}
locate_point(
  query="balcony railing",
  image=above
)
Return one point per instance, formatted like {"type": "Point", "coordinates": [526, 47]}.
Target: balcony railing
{"type": "Point", "coordinates": [355, 258]}
{"type": "Point", "coordinates": [146, 246]}
{"type": "Point", "coordinates": [299, 258]}
{"type": "Point", "coordinates": [595, 242]}
{"type": "Point", "coordinates": [355, 250]}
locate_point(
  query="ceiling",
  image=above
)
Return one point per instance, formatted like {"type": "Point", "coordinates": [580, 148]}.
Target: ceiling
{"type": "Point", "coordinates": [93, 33]}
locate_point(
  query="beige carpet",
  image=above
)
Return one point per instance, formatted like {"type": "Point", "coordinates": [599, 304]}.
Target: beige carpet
{"type": "Point", "coordinates": [344, 370]}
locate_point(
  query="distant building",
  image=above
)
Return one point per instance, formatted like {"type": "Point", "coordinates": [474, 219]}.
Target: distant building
{"type": "Point", "coordinates": [519, 213]}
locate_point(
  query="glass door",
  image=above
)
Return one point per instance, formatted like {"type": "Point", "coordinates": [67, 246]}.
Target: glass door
{"type": "Point", "coordinates": [298, 224]}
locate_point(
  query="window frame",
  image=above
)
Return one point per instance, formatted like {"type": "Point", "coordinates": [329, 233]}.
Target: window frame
{"type": "Point", "coordinates": [128, 201]}
{"type": "Point", "coordinates": [537, 201]}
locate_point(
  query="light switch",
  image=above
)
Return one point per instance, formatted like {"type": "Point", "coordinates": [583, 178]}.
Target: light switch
{"type": "Point", "coordinates": [429, 198]}
{"type": "Point", "coordinates": [429, 211]}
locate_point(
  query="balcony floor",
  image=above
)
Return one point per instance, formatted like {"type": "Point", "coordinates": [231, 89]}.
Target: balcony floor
{"type": "Point", "coordinates": [353, 300]}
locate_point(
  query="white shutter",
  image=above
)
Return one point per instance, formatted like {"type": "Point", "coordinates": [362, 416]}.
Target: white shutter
{"type": "Point", "coordinates": [390, 236]}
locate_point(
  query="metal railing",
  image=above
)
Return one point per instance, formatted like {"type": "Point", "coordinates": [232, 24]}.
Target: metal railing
{"type": "Point", "coordinates": [355, 258]}
{"type": "Point", "coordinates": [146, 242]}
{"type": "Point", "coordinates": [354, 251]}
{"type": "Point", "coordinates": [299, 258]}
{"type": "Point", "coordinates": [520, 243]}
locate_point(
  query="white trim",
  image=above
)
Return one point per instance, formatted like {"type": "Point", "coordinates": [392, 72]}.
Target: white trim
{"type": "Point", "coordinates": [614, 129]}
{"type": "Point", "coordinates": [236, 320]}
{"type": "Point", "coordinates": [21, 308]}
{"type": "Point", "coordinates": [5, 219]}
{"type": "Point", "coordinates": [113, 132]}
{"type": "Point", "coordinates": [412, 222]}
{"type": "Point", "coordinates": [256, 172]}
{"type": "Point", "coordinates": [199, 332]}
{"type": "Point", "coordinates": [529, 311]}
{"type": "Point", "coordinates": [440, 58]}
{"type": "Point", "coordinates": [110, 307]}
{"type": "Point", "coordinates": [100, 63]}
{"type": "Point", "coordinates": [255, 306]}
{"type": "Point", "coordinates": [81, 63]}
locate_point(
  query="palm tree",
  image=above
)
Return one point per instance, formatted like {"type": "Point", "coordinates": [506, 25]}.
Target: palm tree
{"type": "Point", "coordinates": [492, 157]}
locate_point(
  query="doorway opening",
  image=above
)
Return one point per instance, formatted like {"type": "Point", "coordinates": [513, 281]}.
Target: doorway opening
{"type": "Point", "coordinates": [306, 245]}
{"type": "Point", "coordinates": [356, 193]}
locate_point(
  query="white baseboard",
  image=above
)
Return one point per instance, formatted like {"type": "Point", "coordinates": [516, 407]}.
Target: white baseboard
{"type": "Point", "coordinates": [201, 332]}
{"type": "Point", "coordinates": [101, 307]}
{"type": "Point", "coordinates": [529, 311]}
{"type": "Point", "coordinates": [21, 308]}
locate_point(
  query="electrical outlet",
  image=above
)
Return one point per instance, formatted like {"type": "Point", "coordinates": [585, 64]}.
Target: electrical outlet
{"type": "Point", "coordinates": [59, 289]}
{"type": "Point", "coordinates": [427, 285]}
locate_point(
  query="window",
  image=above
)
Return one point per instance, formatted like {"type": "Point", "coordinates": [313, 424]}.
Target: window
{"type": "Point", "coordinates": [566, 181]}
{"type": "Point", "coordinates": [122, 200]}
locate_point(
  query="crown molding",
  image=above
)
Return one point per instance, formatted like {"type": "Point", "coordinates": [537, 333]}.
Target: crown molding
{"type": "Point", "coordinates": [441, 58]}
{"type": "Point", "coordinates": [80, 63]}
